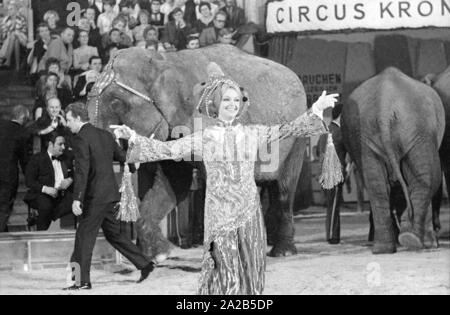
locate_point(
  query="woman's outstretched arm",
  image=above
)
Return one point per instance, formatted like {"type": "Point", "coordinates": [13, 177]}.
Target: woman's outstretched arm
{"type": "Point", "coordinates": [307, 125]}
{"type": "Point", "coordinates": [143, 150]}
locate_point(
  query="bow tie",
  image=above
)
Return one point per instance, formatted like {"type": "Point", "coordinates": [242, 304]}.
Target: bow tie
{"type": "Point", "coordinates": [57, 158]}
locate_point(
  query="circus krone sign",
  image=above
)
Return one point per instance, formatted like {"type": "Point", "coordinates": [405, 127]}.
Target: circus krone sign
{"type": "Point", "coordinates": [331, 15]}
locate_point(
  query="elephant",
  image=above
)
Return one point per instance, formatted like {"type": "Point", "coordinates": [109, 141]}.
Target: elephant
{"type": "Point", "coordinates": [153, 93]}
{"type": "Point", "coordinates": [441, 84]}
{"type": "Point", "coordinates": [393, 127]}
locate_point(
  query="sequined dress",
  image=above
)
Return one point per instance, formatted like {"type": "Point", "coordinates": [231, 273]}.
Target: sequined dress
{"type": "Point", "coordinates": [234, 258]}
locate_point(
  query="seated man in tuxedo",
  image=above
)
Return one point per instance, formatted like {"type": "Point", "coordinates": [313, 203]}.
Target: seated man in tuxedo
{"type": "Point", "coordinates": [49, 178]}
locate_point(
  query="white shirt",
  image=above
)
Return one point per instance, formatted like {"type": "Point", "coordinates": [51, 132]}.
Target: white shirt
{"type": "Point", "coordinates": [57, 168]}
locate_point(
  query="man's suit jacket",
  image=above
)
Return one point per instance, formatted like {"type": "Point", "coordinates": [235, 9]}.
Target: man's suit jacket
{"type": "Point", "coordinates": [208, 37]}
{"type": "Point", "coordinates": [235, 18]}
{"type": "Point", "coordinates": [14, 149]}
{"type": "Point", "coordinates": [58, 50]}
{"type": "Point", "coordinates": [40, 173]}
{"type": "Point", "coordinates": [95, 150]}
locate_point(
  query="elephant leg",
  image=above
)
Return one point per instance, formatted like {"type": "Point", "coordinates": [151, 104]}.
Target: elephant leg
{"type": "Point", "coordinates": [157, 204]}
{"type": "Point", "coordinates": [436, 208]}
{"type": "Point", "coordinates": [272, 215]}
{"type": "Point", "coordinates": [377, 184]}
{"type": "Point", "coordinates": [423, 175]}
{"type": "Point", "coordinates": [287, 184]}
{"type": "Point", "coordinates": [359, 190]}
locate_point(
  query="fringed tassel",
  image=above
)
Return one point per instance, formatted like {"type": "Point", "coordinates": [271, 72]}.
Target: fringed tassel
{"type": "Point", "coordinates": [331, 167]}
{"type": "Point", "coordinates": [129, 206]}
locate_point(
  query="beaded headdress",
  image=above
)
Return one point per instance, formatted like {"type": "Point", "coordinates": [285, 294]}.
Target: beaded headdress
{"type": "Point", "coordinates": [216, 81]}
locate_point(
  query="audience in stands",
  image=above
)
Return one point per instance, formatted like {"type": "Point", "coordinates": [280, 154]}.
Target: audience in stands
{"type": "Point", "coordinates": [235, 15]}
{"type": "Point", "coordinates": [206, 17]}
{"type": "Point", "coordinates": [157, 18]}
{"type": "Point", "coordinates": [86, 80]}
{"type": "Point", "coordinates": [143, 23]}
{"type": "Point", "coordinates": [61, 49]}
{"type": "Point", "coordinates": [119, 24]}
{"type": "Point", "coordinates": [84, 52]}
{"type": "Point", "coordinates": [39, 49]}
{"type": "Point", "coordinates": [50, 119]}
{"type": "Point", "coordinates": [214, 8]}
{"type": "Point", "coordinates": [167, 8]}
{"type": "Point", "coordinates": [210, 35]}
{"type": "Point", "coordinates": [193, 42]}
{"type": "Point", "coordinates": [49, 179]}
{"type": "Point", "coordinates": [94, 37]}
{"type": "Point", "coordinates": [15, 150]}
{"type": "Point", "coordinates": [52, 18]}
{"type": "Point", "coordinates": [13, 36]}
{"type": "Point", "coordinates": [226, 36]}
{"type": "Point", "coordinates": [97, 7]}
{"type": "Point", "coordinates": [106, 19]}
{"type": "Point", "coordinates": [176, 31]}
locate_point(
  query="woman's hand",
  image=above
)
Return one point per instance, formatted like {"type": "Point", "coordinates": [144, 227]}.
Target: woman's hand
{"type": "Point", "coordinates": [325, 101]}
{"type": "Point", "coordinates": [122, 132]}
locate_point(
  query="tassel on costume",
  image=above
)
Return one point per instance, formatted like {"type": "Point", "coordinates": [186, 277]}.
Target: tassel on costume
{"type": "Point", "coordinates": [331, 167]}
{"type": "Point", "coordinates": [129, 207]}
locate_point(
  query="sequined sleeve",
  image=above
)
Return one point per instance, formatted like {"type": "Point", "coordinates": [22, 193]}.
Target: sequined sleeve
{"type": "Point", "coordinates": [306, 125]}
{"type": "Point", "coordinates": [143, 150]}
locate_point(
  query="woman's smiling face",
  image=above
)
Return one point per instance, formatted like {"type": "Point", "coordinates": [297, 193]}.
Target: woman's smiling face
{"type": "Point", "coordinates": [230, 105]}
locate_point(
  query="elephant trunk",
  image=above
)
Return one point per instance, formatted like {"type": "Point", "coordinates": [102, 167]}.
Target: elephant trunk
{"type": "Point", "coordinates": [394, 161]}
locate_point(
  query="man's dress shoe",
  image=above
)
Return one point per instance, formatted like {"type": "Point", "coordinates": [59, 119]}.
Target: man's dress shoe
{"type": "Point", "coordinates": [82, 287]}
{"type": "Point", "coordinates": [146, 272]}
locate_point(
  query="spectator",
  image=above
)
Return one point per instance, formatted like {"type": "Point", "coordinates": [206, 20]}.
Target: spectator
{"type": "Point", "coordinates": [62, 50]}
{"type": "Point", "coordinates": [94, 38]}
{"type": "Point", "coordinates": [226, 37]}
{"type": "Point", "coordinates": [157, 18]}
{"type": "Point", "coordinates": [53, 87]}
{"type": "Point", "coordinates": [214, 8]}
{"type": "Point", "coordinates": [111, 51]}
{"type": "Point", "coordinates": [188, 8]}
{"type": "Point", "coordinates": [83, 54]}
{"type": "Point", "coordinates": [176, 31]}
{"type": "Point", "coordinates": [13, 35]}
{"type": "Point", "coordinates": [138, 31]}
{"type": "Point", "coordinates": [51, 119]}
{"type": "Point", "coordinates": [39, 48]}
{"type": "Point", "coordinates": [210, 35]}
{"type": "Point", "coordinates": [105, 19]}
{"type": "Point", "coordinates": [97, 7]}
{"type": "Point", "coordinates": [14, 139]}
{"type": "Point", "coordinates": [235, 15]}
{"type": "Point", "coordinates": [167, 8]}
{"type": "Point", "coordinates": [87, 79]}
{"type": "Point", "coordinates": [49, 179]}
{"type": "Point", "coordinates": [193, 42]}
{"type": "Point", "coordinates": [130, 11]}
{"type": "Point", "coordinates": [151, 36]}
{"type": "Point", "coordinates": [119, 24]}
{"type": "Point", "coordinates": [206, 17]}
{"type": "Point", "coordinates": [52, 18]}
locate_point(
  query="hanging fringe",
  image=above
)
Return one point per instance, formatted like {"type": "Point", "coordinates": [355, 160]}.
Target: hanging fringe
{"type": "Point", "coordinates": [129, 206]}
{"type": "Point", "coordinates": [331, 167]}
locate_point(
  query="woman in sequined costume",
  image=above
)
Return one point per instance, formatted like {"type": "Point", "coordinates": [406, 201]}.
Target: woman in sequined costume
{"type": "Point", "coordinates": [234, 259]}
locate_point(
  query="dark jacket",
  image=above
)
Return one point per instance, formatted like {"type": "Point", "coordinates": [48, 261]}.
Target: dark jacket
{"type": "Point", "coordinates": [235, 18]}
{"type": "Point", "coordinates": [95, 181]}
{"type": "Point", "coordinates": [175, 36]}
{"type": "Point", "coordinates": [14, 149]}
{"type": "Point", "coordinates": [40, 173]}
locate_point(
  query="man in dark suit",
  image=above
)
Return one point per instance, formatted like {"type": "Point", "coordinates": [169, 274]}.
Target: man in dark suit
{"type": "Point", "coordinates": [334, 196]}
{"type": "Point", "coordinates": [87, 79]}
{"type": "Point", "coordinates": [49, 178]}
{"type": "Point", "coordinates": [235, 15]}
{"type": "Point", "coordinates": [96, 195]}
{"type": "Point", "coordinates": [14, 148]}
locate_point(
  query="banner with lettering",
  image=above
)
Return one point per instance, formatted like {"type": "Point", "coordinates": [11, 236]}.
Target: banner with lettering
{"type": "Point", "coordinates": [332, 15]}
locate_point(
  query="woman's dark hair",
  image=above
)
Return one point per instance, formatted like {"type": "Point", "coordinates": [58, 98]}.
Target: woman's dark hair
{"type": "Point", "coordinates": [52, 61]}
{"type": "Point", "coordinates": [204, 4]}
{"type": "Point", "coordinates": [51, 74]}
